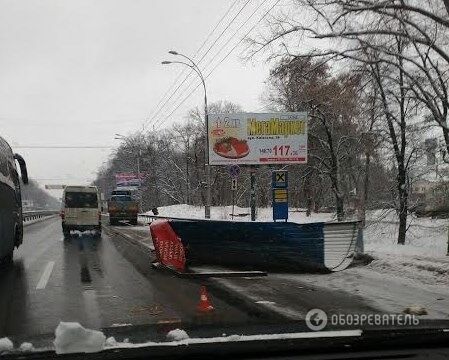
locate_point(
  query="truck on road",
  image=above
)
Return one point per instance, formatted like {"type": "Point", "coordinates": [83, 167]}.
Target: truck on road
{"type": "Point", "coordinates": [121, 206]}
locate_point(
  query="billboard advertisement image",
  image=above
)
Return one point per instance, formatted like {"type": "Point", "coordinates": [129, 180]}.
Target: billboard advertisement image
{"type": "Point", "coordinates": [131, 180]}
{"type": "Point", "coordinates": [258, 138]}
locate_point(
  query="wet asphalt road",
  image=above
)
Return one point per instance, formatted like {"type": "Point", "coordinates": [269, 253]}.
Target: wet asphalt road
{"type": "Point", "coordinates": [88, 280]}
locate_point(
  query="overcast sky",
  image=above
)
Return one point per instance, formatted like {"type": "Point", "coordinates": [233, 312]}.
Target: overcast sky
{"type": "Point", "coordinates": [75, 72]}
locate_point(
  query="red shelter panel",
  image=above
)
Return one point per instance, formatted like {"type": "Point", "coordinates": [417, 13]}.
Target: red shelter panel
{"type": "Point", "coordinates": [167, 245]}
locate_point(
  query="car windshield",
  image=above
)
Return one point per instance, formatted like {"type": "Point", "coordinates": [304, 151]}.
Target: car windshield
{"type": "Point", "coordinates": [231, 172]}
{"type": "Point", "coordinates": [81, 200]}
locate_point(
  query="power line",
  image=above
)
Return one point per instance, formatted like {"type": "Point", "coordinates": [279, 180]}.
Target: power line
{"type": "Point", "coordinates": [62, 147]}
{"type": "Point", "coordinates": [180, 95]}
{"type": "Point", "coordinates": [235, 33]}
{"type": "Point", "coordinates": [153, 118]}
{"type": "Point", "coordinates": [194, 56]}
{"type": "Point", "coordinates": [61, 179]}
{"type": "Point", "coordinates": [224, 58]}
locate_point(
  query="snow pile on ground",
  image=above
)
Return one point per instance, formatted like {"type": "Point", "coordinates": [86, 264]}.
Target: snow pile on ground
{"type": "Point", "coordinates": [423, 257]}
{"type": "Point", "coordinates": [111, 342]}
{"type": "Point", "coordinates": [6, 345]}
{"type": "Point", "coordinates": [177, 335]}
{"type": "Point", "coordinates": [71, 337]}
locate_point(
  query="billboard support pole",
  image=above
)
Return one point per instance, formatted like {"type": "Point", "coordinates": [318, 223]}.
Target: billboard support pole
{"type": "Point", "coordinates": [253, 192]}
{"type": "Point", "coordinates": [233, 202]}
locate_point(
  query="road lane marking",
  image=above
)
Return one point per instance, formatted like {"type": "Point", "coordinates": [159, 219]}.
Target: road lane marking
{"type": "Point", "coordinates": [169, 321]}
{"type": "Point", "coordinates": [92, 309]}
{"type": "Point", "coordinates": [45, 276]}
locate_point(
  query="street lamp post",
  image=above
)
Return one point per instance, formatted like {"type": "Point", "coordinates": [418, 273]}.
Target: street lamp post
{"type": "Point", "coordinates": [195, 68]}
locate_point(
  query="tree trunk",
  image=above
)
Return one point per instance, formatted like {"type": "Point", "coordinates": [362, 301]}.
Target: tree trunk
{"type": "Point", "coordinates": [308, 195]}
{"type": "Point", "coordinates": [403, 206]}
{"type": "Point", "coordinates": [340, 208]}
{"type": "Point", "coordinates": [402, 171]}
{"type": "Point", "coordinates": [334, 172]}
{"type": "Point", "coordinates": [402, 227]}
{"type": "Point", "coordinates": [364, 197]}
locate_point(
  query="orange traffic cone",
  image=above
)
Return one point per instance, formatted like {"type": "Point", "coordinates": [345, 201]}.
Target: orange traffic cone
{"type": "Point", "coordinates": [204, 306]}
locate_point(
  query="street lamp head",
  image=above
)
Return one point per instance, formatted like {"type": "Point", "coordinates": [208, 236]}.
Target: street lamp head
{"type": "Point", "coordinates": [173, 52]}
{"type": "Point", "coordinates": [166, 62]}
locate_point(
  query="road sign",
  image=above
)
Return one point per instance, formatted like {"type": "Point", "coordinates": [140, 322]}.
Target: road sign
{"type": "Point", "coordinates": [280, 195]}
{"type": "Point", "coordinates": [234, 184]}
{"type": "Point", "coordinates": [234, 171]}
{"type": "Point", "coordinates": [280, 179]}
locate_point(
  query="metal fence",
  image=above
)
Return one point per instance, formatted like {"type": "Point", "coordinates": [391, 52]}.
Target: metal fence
{"type": "Point", "coordinates": [148, 218]}
{"type": "Point", "coordinates": [38, 214]}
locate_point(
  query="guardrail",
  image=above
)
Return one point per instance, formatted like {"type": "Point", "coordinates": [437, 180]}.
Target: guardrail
{"type": "Point", "coordinates": [33, 215]}
{"type": "Point", "coordinates": [151, 218]}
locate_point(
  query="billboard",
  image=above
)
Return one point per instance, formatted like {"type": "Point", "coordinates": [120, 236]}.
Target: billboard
{"type": "Point", "coordinates": [131, 180]}
{"type": "Point", "coordinates": [258, 138]}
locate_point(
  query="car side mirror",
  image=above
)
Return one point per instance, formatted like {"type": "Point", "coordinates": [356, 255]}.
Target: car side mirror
{"type": "Point", "coordinates": [23, 168]}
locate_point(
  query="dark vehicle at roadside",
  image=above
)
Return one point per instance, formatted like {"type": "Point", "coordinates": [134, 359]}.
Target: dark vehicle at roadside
{"type": "Point", "coordinates": [122, 207]}
{"type": "Point", "coordinates": [11, 218]}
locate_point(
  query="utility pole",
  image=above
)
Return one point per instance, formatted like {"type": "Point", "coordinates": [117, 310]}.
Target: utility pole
{"type": "Point", "coordinates": [139, 154]}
